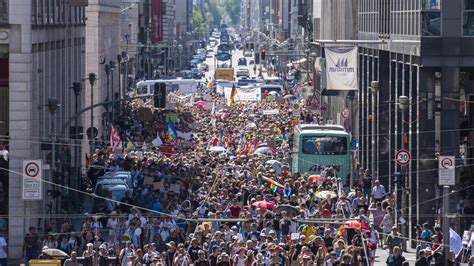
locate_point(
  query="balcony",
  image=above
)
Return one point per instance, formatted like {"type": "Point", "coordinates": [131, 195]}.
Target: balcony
{"type": "Point", "coordinates": [3, 12]}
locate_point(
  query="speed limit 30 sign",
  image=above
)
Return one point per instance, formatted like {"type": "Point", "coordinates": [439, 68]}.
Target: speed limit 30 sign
{"type": "Point", "coordinates": [403, 157]}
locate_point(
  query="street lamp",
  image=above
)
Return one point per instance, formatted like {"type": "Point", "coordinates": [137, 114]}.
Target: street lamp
{"type": "Point", "coordinates": [120, 59]}
{"type": "Point", "coordinates": [92, 80]}
{"type": "Point", "coordinates": [53, 105]}
{"type": "Point", "coordinates": [374, 88]}
{"type": "Point", "coordinates": [112, 69]}
{"type": "Point", "coordinates": [403, 105]}
{"type": "Point", "coordinates": [77, 88]}
{"type": "Point", "coordinates": [125, 79]}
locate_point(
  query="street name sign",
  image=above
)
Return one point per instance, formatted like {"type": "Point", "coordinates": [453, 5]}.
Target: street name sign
{"type": "Point", "coordinates": [32, 187]}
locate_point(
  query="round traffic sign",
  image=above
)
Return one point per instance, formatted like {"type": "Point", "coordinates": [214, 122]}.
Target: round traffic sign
{"type": "Point", "coordinates": [447, 163]}
{"type": "Point", "coordinates": [345, 113]}
{"type": "Point", "coordinates": [32, 169]}
{"type": "Point", "coordinates": [403, 157]}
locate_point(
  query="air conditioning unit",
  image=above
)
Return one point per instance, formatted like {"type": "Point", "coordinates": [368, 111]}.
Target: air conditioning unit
{"type": "Point", "coordinates": [77, 2]}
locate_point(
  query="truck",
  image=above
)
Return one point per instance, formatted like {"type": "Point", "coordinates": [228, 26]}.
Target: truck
{"type": "Point", "coordinates": [224, 73]}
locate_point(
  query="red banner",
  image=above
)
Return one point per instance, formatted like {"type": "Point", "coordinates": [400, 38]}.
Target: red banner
{"type": "Point", "coordinates": [157, 21]}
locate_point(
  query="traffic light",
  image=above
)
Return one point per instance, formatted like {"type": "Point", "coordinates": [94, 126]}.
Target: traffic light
{"type": "Point", "coordinates": [160, 95]}
{"type": "Point", "coordinates": [263, 54]}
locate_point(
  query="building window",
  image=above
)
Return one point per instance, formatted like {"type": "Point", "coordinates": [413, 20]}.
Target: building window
{"type": "Point", "coordinates": [431, 4]}
{"type": "Point", "coordinates": [468, 18]}
{"type": "Point", "coordinates": [431, 23]}
{"type": "Point", "coordinates": [431, 17]}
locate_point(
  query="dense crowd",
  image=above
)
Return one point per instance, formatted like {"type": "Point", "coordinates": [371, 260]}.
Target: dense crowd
{"type": "Point", "coordinates": [240, 207]}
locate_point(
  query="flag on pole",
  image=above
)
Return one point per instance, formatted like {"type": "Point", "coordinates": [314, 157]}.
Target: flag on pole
{"type": "Point", "coordinates": [171, 130]}
{"type": "Point", "coordinates": [115, 140]}
{"type": "Point", "coordinates": [221, 138]}
{"type": "Point", "coordinates": [283, 135]}
{"type": "Point", "coordinates": [274, 185]}
{"type": "Point", "coordinates": [231, 99]}
{"type": "Point", "coordinates": [455, 242]}
{"type": "Point", "coordinates": [130, 146]}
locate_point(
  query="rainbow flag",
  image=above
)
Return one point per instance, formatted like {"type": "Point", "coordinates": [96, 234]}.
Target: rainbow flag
{"type": "Point", "coordinates": [274, 185]}
{"type": "Point", "coordinates": [171, 130]}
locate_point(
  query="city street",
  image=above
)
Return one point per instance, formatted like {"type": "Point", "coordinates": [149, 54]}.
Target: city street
{"type": "Point", "coordinates": [143, 133]}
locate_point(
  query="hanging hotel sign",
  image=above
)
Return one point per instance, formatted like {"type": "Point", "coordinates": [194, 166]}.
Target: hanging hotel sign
{"type": "Point", "coordinates": [341, 68]}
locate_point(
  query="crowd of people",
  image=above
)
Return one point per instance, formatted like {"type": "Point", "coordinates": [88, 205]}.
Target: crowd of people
{"type": "Point", "coordinates": [201, 206]}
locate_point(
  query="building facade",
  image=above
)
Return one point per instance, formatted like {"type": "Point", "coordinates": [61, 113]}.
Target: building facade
{"type": "Point", "coordinates": [44, 43]}
{"type": "Point", "coordinates": [425, 53]}
{"type": "Point", "coordinates": [103, 45]}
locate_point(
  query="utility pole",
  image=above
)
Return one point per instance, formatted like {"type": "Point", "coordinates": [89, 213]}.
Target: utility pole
{"type": "Point", "coordinates": [92, 80]}
{"type": "Point", "coordinates": [403, 104]}
{"type": "Point", "coordinates": [77, 87]}
{"type": "Point", "coordinates": [374, 87]}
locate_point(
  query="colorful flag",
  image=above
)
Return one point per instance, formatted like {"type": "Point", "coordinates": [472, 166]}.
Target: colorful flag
{"type": "Point", "coordinates": [231, 99]}
{"type": "Point", "coordinates": [283, 135]}
{"type": "Point", "coordinates": [221, 138]}
{"type": "Point", "coordinates": [171, 130]}
{"type": "Point", "coordinates": [115, 140]}
{"type": "Point", "coordinates": [274, 185]}
{"type": "Point", "coordinates": [130, 146]}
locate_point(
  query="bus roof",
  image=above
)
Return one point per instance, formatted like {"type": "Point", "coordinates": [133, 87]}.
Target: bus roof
{"type": "Point", "coordinates": [316, 128]}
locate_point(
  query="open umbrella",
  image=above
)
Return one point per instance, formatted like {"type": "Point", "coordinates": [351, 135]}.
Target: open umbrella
{"type": "Point", "coordinates": [264, 204]}
{"type": "Point", "coordinates": [251, 125]}
{"type": "Point", "coordinates": [314, 178]}
{"type": "Point", "coordinates": [325, 194]}
{"type": "Point", "coordinates": [201, 103]}
{"type": "Point", "coordinates": [54, 253]}
{"type": "Point", "coordinates": [355, 224]}
{"type": "Point", "coordinates": [263, 150]}
{"type": "Point", "coordinates": [272, 162]}
{"type": "Point", "coordinates": [290, 210]}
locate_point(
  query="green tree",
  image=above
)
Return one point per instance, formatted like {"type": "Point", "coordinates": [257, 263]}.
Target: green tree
{"type": "Point", "coordinates": [198, 20]}
{"type": "Point", "coordinates": [232, 9]}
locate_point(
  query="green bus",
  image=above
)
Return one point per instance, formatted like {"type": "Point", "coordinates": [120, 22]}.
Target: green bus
{"type": "Point", "coordinates": [316, 147]}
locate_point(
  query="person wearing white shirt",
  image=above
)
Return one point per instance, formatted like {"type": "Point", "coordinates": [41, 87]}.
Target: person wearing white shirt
{"type": "Point", "coordinates": [378, 191]}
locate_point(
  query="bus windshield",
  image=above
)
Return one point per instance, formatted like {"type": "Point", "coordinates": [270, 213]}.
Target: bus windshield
{"type": "Point", "coordinates": [324, 145]}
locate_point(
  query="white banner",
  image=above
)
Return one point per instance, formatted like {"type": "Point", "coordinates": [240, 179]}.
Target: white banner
{"type": "Point", "coordinates": [341, 68]}
{"type": "Point", "coordinates": [271, 112]}
{"type": "Point", "coordinates": [187, 87]}
{"type": "Point", "coordinates": [181, 99]}
{"type": "Point", "coordinates": [244, 94]}
{"type": "Point", "coordinates": [248, 95]}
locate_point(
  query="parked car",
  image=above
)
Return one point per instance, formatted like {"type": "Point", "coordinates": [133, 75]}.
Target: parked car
{"type": "Point", "coordinates": [243, 72]}
{"type": "Point", "coordinates": [242, 61]}
{"type": "Point", "coordinates": [248, 54]}
{"type": "Point", "coordinates": [203, 67]}
{"type": "Point", "coordinates": [186, 74]}
{"type": "Point", "coordinates": [196, 73]}
{"type": "Point", "coordinates": [117, 187]}
{"type": "Point", "coordinates": [122, 175]}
